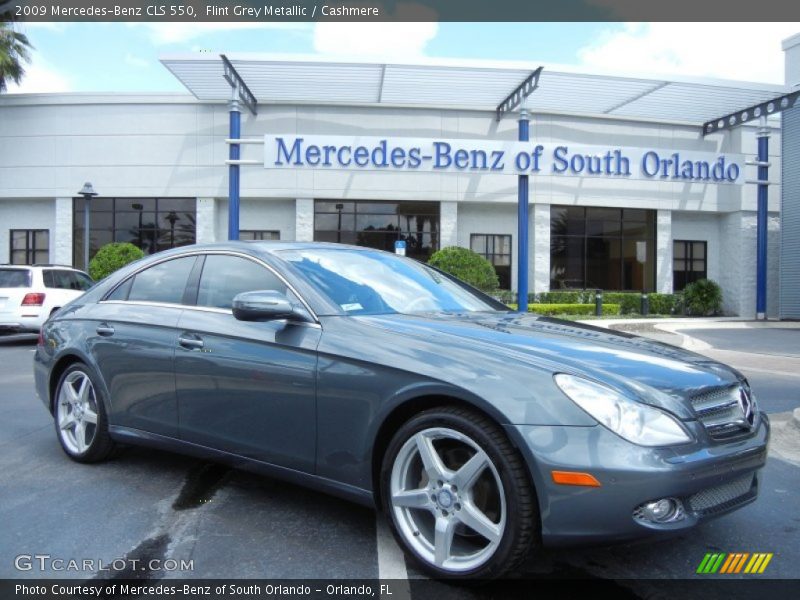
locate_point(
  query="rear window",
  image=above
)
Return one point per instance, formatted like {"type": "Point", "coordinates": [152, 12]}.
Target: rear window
{"type": "Point", "coordinates": [15, 278]}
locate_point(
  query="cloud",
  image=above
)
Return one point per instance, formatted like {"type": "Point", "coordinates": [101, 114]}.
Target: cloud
{"type": "Point", "coordinates": [177, 33]}
{"type": "Point", "coordinates": [136, 61]}
{"type": "Point", "coordinates": [743, 51]}
{"type": "Point", "coordinates": [370, 41]}
{"type": "Point", "coordinates": [40, 78]}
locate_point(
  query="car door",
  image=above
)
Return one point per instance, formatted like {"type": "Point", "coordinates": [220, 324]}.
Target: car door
{"type": "Point", "coordinates": [247, 388]}
{"type": "Point", "coordinates": [132, 338]}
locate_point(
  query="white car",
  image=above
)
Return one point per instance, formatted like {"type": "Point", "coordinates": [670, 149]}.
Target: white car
{"type": "Point", "coordinates": [29, 294]}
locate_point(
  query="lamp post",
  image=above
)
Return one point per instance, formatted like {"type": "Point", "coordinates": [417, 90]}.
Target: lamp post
{"type": "Point", "coordinates": [139, 208]}
{"type": "Point", "coordinates": [172, 217]}
{"type": "Point", "coordinates": [339, 207]}
{"type": "Point", "coordinates": [87, 192]}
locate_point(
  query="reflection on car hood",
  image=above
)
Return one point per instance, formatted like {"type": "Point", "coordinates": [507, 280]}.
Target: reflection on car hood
{"type": "Point", "coordinates": [643, 366]}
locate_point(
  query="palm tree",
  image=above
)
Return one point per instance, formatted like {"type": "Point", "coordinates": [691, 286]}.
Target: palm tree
{"type": "Point", "coordinates": [14, 50]}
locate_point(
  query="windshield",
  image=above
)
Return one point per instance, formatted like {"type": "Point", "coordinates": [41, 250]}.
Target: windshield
{"type": "Point", "coordinates": [363, 282]}
{"type": "Point", "coordinates": [15, 278]}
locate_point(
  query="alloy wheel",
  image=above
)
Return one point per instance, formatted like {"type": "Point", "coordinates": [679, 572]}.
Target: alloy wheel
{"type": "Point", "coordinates": [447, 499]}
{"type": "Point", "coordinates": [77, 412]}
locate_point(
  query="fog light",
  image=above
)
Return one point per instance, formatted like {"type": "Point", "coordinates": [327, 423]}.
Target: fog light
{"type": "Point", "coordinates": [664, 510]}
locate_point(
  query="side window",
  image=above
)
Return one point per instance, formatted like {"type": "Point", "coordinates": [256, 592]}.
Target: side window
{"type": "Point", "coordinates": [226, 276]}
{"type": "Point", "coordinates": [164, 282]}
{"type": "Point", "coordinates": [58, 278]}
{"type": "Point", "coordinates": [121, 293]}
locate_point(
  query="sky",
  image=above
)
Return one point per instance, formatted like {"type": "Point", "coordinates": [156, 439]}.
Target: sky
{"type": "Point", "coordinates": [123, 57]}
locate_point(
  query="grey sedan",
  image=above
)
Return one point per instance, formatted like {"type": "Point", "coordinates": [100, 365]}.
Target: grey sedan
{"type": "Point", "coordinates": [481, 432]}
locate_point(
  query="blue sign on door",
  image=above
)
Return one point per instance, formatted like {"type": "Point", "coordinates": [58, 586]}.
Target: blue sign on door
{"type": "Point", "coordinates": [400, 247]}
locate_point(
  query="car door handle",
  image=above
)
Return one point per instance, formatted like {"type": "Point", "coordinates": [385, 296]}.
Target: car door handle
{"type": "Point", "coordinates": [105, 330]}
{"type": "Point", "coordinates": [190, 343]}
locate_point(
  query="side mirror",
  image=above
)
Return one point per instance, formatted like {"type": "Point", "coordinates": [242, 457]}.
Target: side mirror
{"type": "Point", "coordinates": [267, 305]}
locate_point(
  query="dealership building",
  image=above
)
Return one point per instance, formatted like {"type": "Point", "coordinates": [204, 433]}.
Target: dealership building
{"type": "Point", "coordinates": [626, 189]}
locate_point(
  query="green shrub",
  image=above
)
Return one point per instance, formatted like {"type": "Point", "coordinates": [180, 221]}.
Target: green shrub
{"type": "Point", "coordinates": [467, 265]}
{"type": "Point", "coordinates": [569, 309]}
{"type": "Point", "coordinates": [703, 297]}
{"type": "Point", "coordinates": [112, 257]}
{"type": "Point", "coordinates": [663, 304]}
{"type": "Point", "coordinates": [570, 297]}
{"type": "Point", "coordinates": [629, 302]}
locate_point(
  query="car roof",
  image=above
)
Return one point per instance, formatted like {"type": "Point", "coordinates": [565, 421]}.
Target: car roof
{"type": "Point", "coordinates": [40, 266]}
{"type": "Point", "coordinates": [271, 247]}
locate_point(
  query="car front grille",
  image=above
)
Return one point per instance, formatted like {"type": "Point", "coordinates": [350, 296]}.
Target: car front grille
{"type": "Point", "coordinates": [723, 497]}
{"type": "Point", "coordinates": [721, 411]}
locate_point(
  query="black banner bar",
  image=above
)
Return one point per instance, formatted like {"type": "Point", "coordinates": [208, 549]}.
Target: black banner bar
{"type": "Point", "coordinates": [705, 588]}
{"type": "Point", "coordinates": [400, 10]}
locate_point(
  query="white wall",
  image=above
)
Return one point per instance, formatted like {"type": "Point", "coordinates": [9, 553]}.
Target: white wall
{"type": "Point", "coordinates": [37, 214]}
{"type": "Point", "coordinates": [737, 263]}
{"type": "Point", "coordinates": [701, 228]}
{"type": "Point", "coordinates": [497, 219]}
{"type": "Point", "coordinates": [171, 145]}
{"type": "Point", "coordinates": [268, 214]}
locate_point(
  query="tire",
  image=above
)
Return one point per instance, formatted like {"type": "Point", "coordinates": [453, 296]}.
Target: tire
{"type": "Point", "coordinates": [487, 511]}
{"type": "Point", "coordinates": [78, 408]}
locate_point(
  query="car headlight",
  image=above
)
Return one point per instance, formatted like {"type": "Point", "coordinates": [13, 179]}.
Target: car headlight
{"type": "Point", "coordinates": [633, 421]}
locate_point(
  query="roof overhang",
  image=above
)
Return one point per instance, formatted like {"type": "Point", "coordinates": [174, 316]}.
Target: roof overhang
{"type": "Point", "coordinates": [473, 85]}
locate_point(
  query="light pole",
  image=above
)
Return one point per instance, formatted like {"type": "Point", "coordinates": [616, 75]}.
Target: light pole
{"type": "Point", "coordinates": [87, 192]}
{"type": "Point", "coordinates": [139, 208]}
{"type": "Point", "coordinates": [339, 207]}
{"type": "Point", "coordinates": [172, 217]}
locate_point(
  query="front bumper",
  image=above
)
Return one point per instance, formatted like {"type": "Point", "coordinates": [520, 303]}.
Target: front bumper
{"type": "Point", "coordinates": [710, 479]}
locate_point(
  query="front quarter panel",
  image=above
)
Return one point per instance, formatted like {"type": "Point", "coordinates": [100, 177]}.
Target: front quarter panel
{"type": "Point", "coordinates": [365, 373]}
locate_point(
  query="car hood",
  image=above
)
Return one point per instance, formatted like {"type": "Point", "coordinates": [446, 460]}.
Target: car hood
{"type": "Point", "coordinates": [650, 371]}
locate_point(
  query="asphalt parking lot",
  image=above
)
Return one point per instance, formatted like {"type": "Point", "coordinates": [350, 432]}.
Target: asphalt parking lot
{"type": "Point", "coordinates": [150, 504]}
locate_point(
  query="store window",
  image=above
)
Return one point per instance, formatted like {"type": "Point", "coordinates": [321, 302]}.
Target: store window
{"type": "Point", "coordinates": [258, 234]}
{"type": "Point", "coordinates": [29, 246]}
{"type": "Point", "coordinates": [602, 248]}
{"type": "Point", "coordinates": [152, 224]}
{"type": "Point", "coordinates": [497, 250]}
{"type": "Point", "coordinates": [689, 262]}
{"type": "Point", "coordinates": [379, 225]}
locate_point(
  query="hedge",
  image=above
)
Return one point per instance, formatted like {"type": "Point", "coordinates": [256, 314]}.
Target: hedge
{"type": "Point", "coordinates": [112, 257]}
{"type": "Point", "coordinates": [703, 297]}
{"type": "Point", "coordinates": [629, 302]}
{"type": "Point", "coordinates": [466, 265]}
{"type": "Point", "coordinates": [569, 309]}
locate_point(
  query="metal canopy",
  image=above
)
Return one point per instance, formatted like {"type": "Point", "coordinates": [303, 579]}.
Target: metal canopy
{"type": "Point", "coordinates": [466, 85]}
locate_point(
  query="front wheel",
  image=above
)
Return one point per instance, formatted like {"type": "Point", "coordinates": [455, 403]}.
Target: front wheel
{"type": "Point", "coordinates": [80, 417]}
{"type": "Point", "coordinates": [457, 495]}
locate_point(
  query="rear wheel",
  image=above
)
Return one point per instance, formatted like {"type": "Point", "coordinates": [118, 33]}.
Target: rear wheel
{"type": "Point", "coordinates": [80, 417]}
{"type": "Point", "coordinates": [457, 495]}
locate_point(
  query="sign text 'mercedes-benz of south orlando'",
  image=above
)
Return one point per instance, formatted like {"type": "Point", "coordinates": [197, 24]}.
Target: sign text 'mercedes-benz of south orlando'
{"type": "Point", "coordinates": [471, 156]}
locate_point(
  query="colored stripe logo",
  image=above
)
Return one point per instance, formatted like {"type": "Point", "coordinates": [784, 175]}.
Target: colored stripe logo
{"type": "Point", "coordinates": [735, 562]}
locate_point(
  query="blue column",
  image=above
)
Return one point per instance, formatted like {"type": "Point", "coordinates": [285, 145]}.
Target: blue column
{"type": "Point", "coordinates": [233, 170]}
{"type": "Point", "coordinates": [522, 223]}
{"type": "Point", "coordinates": [761, 227]}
